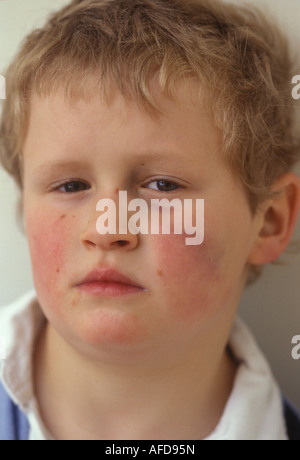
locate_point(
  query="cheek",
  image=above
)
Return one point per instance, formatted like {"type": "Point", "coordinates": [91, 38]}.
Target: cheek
{"type": "Point", "coordinates": [191, 276]}
{"type": "Point", "coordinates": [48, 241]}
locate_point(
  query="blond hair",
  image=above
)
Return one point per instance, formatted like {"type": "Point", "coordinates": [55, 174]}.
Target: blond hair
{"type": "Point", "coordinates": [239, 58]}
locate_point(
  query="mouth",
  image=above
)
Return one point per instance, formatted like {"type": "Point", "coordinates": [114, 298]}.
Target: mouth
{"type": "Point", "coordinates": [108, 282]}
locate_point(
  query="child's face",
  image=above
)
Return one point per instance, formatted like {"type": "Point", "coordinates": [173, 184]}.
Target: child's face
{"type": "Point", "coordinates": [185, 291]}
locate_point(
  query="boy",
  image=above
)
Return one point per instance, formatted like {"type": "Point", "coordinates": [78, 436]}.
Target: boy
{"type": "Point", "coordinates": [131, 335]}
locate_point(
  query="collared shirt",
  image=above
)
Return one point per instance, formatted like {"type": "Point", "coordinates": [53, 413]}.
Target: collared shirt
{"type": "Point", "coordinates": [254, 410]}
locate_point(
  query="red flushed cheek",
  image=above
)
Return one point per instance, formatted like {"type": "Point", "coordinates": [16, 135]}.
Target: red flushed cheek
{"type": "Point", "coordinates": [190, 276]}
{"type": "Point", "coordinates": [47, 239]}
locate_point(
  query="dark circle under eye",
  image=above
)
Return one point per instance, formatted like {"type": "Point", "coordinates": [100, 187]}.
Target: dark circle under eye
{"type": "Point", "coordinates": [166, 186]}
{"type": "Point", "coordinates": [74, 187]}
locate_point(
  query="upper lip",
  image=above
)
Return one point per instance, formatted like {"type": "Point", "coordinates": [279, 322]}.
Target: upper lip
{"type": "Point", "coordinates": [108, 275]}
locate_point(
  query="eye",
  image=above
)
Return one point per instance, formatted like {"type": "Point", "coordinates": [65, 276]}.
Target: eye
{"type": "Point", "coordinates": [162, 185]}
{"type": "Point", "coordinates": [73, 186]}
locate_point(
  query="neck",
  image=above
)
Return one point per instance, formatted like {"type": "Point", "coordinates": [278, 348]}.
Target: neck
{"type": "Point", "coordinates": [179, 398]}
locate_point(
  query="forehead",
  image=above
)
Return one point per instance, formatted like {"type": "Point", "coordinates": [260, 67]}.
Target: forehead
{"type": "Point", "coordinates": [185, 108]}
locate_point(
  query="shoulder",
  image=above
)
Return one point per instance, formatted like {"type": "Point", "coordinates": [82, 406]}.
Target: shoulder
{"type": "Point", "coordinates": [13, 308]}
{"type": "Point", "coordinates": [13, 423]}
{"type": "Point", "coordinates": [11, 313]}
{"type": "Point", "coordinates": [16, 322]}
{"type": "Point", "coordinates": [292, 418]}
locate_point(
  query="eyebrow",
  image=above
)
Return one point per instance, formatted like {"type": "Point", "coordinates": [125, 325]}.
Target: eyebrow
{"type": "Point", "coordinates": [142, 156]}
{"type": "Point", "coordinates": [50, 167]}
{"type": "Point", "coordinates": [162, 156]}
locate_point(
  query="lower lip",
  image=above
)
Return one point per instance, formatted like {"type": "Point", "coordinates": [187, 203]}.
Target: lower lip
{"type": "Point", "coordinates": [109, 289]}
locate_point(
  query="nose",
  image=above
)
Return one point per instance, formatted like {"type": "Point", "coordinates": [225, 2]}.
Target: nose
{"type": "Point", "coordinates": [109, 238]}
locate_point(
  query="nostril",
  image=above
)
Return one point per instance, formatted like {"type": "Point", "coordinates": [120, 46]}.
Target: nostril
{"type": "Point", "coordinates": [123, 242]}
{"type": "Point", "coordinates": [90, 244]}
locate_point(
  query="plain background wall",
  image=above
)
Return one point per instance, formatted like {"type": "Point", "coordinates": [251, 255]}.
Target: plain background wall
{"type": "Point", "coordinates": [271, 306]}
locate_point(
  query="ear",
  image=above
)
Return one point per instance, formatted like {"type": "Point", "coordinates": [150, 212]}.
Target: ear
{"type": "Point", "coordinates": [277, 221]}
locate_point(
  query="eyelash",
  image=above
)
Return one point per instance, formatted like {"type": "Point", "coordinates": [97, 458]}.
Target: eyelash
{"type": "Point", "coordinates": [174, 186]}
{"type": "Point", "coordinates": [166, 181]}
{"type": "Point", "coordinates": [68, 183]}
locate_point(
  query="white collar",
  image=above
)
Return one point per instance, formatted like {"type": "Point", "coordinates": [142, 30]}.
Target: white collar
{"type": "Point", "coordinates": [20, 324]}
{"type": "Point", "coordinates": [254, 410]}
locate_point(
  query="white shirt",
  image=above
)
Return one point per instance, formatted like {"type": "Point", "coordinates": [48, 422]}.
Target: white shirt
{"type": "Point", "coordinates": [254, 410]}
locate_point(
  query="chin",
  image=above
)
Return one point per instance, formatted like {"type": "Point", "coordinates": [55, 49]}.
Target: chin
{"type": "Point", "coordinates": [109, 328]}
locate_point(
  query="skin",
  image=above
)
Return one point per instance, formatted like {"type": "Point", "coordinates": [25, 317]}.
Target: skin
{"type": "Point", "coordinates": [134, 357]}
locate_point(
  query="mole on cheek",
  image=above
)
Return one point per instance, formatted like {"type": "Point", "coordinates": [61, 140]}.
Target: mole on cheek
{"type": "Point", "coordinates": [63, 217]}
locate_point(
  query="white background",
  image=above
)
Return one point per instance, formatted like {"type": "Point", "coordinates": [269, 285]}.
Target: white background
{"type": "Point", "coordinates": [271, 307]}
